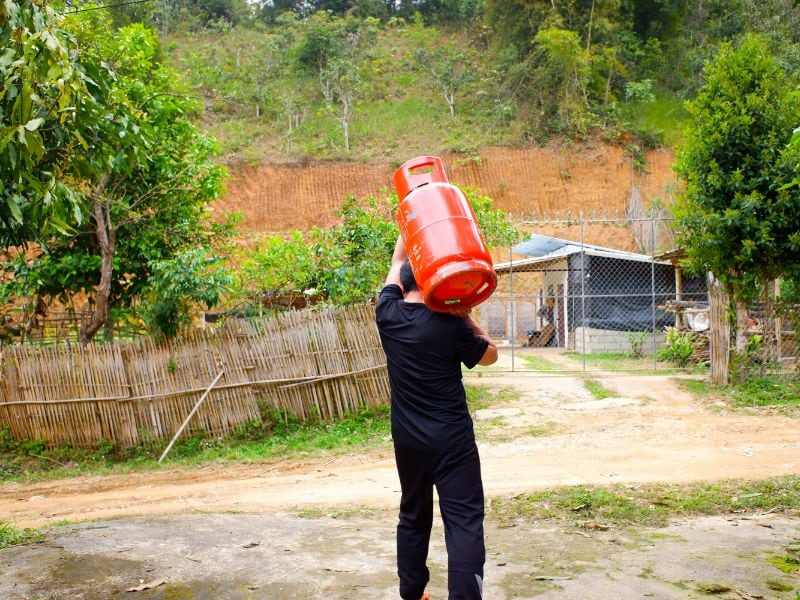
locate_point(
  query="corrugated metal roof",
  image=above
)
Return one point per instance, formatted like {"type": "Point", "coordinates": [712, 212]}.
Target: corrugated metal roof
{"type": "Point", "coordinates": [544, 250]}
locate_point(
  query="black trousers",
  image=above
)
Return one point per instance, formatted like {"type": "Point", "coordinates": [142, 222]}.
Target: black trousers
{"type": "Point", "coordinates": [457, 477]}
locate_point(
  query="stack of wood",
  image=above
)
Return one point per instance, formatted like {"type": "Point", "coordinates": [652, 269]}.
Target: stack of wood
{"type": "Point", "coordinates": [702, 347]}
{"type": "Point", "coordinates": [685, 312]}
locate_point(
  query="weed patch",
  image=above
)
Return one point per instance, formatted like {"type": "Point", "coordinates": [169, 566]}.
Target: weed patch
{"type": "Point", "coordinates": [763, 391]}
{"type": "Point", "coordinates": [650, 505]}
{"type": "Point", "coordinates": [537, 363]}
{"type": "Point", "coordinates": [543, 429]}
{"type": "Point", "coordinates": [785, 562]}
{"type": "Point", "coordinates": [12, 536]}
{"type": "Point", "coordinates": [597, 389]}
{"type": "Point", "coordinates": [336, 513]}
{"type": "Point", "coordinates": [480, 396]}
{"type": "Point", "coordinates": [776, 585]}
{"type": "Point", "coordinates": [766, 391]}
{"type": "Point", "coordinates": [276, 435]}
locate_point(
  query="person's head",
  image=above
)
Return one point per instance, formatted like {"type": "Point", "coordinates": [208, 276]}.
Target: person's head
{"type": "Point", "coordinates": [407, 278]}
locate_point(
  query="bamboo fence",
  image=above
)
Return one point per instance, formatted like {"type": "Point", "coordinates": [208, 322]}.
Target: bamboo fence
{"type": "Point", "coordinates": [326, 363]}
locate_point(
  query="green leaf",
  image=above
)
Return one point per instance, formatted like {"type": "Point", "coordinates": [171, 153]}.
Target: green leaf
{"type": "Point", "coordinates": [35, 143]}
{"type": "Point", "coordinates": [80, 139]}
{"type": "Point", "coordinates": [13, 206]}
{"type": "Point", "coordinates": [34, 124]}
{"type": "Point", "coordinates": [6, 58]}
{"type": "Point", "coordinates": [5, 135]}
{"type": "Point", "coordinates": [50, 41]}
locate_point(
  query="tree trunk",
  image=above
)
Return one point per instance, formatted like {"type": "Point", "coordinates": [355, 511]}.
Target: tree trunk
{"type": "Point", "coordinates": [39, 309]}
{"type": "Point", "coordinates": [699, 21]}
{"type": "Point", "coordinates": [778, 322]}
{"type": "Point", "coordinates": [770, 327]}
{"type": "Point", "coordinates": [720, 331]}
{"type": "Point", "coordinates": [106, 239]}
{"type": "Point", "coordinates": [345, 120]}
{"type": "Point", "coordinates": [742, 326]}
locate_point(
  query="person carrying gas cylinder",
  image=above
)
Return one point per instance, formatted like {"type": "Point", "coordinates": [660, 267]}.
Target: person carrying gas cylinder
{"type": "Point", "coordinates": [432, 431]}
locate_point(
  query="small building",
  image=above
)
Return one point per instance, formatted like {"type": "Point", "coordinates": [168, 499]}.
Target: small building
{"type": "Point", "coordinates": [596, 298]}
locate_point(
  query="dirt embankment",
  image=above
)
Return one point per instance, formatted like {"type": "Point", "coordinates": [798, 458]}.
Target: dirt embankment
{"type": "Point", "coordinates": [599, 177]}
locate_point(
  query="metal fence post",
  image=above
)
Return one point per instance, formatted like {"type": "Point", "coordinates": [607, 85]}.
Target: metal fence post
{"type": "Point", "coordinates": [512, 302]}
{"type": "Point", "coordinates": [583, 293]}
{"type": "Point", "coordinates": [653, 283]}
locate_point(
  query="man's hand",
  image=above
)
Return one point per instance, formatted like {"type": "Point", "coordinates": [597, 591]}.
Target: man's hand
{"type": "Point", "coordinates": [461, 313]}
{"type": "Point", "coordinates": [490, 356]}
{"type": "Point", "coordinates": [399, 256]}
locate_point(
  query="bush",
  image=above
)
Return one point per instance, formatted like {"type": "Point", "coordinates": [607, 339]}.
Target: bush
{"type": "Point", "coordinates": [679, 348]}
{"type": "Point", "coordinates": [637, 339]}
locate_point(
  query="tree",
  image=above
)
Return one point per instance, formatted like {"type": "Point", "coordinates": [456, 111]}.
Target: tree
{"type": "Point", "coordinates": [144, 175]}
{"type": "Point", "coordinates": [738, 218]}
{"type": "Point", "coordinates": [561, 77]}
{"type": "Point", "coordinates": [278, 264]}
{"type": "Point", "coordinates": [449, 69]}
{"type": "Point", "coordinates": [347, 263]}
{"type": "Point", "coordinates": [352, 257]}
{"type": "Point", "coordinates": [45, 113]}
{"type": "Point", "coordinates": [334, 50]}
{"type": "Point", "coordinates": [514, 23]}
{"type": "Point", "coordinates": [192, 276]}
{"type": "Point", "coordinates": [342, 83]}
{"type": "Point", "coordinates": [166, 187]}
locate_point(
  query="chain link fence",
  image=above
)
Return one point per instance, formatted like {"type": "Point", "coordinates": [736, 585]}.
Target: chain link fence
{"type": "Point", "coordinates": [602, 293]}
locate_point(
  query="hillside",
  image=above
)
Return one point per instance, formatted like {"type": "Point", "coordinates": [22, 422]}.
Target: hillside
{"type": "Point", "coordinates": [590, 177]}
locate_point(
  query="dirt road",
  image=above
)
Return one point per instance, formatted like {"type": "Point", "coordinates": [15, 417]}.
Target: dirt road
{"type": "Point", "coordinates": [650, 431]}
{"type": "Point", "coordinates": [174, 522]}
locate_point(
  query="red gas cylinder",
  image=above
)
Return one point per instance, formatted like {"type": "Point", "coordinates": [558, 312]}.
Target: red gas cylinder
{"type": "Point", "coordinates": [450, 260]}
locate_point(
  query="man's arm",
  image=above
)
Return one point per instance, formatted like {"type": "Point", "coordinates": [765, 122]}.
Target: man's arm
{"type": "Point", "coordinates": [490, 355]}
{"type": "Point", "coordinates": [398, 258]}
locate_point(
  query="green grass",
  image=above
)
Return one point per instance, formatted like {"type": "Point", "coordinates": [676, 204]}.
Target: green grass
{"type": "Point", "coordinates": [651, 504]}
{"type": "Point", "coordinates": [277, 436]}
{"type": "Point", "coordinates": [12, 536]}
{"type": "Point", "coordinates": [621, 361]}
{"type": "Point", "coordinates": [399, 112]}
{"type": "Point", "coordinates": [611, 361]}
{"type": "Point", "coordinates": [666, 115]}
{"type": "Point", "coordinates": [597, 389]}
{"type": "Point", "coordinates": [787, 563]}
{"type": "Point", "coordinates": [766, 391]}
{"type": "Point", "coordinates": [696, 387]}
{"type": "Point", "coordinates": [537, 363]}
{"type": "Point", "coordinates": [481, 396]}
{"type": "Point", "coordinates": [545, 429]}
{"type": "Point", "coordinates": [762, 391]}
{"type": "Point", "coordinates": [361, 512]}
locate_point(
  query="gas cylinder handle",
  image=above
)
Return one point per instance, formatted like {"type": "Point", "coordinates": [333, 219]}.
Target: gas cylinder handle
{"type": "Point", "coordinates": [405, 180]}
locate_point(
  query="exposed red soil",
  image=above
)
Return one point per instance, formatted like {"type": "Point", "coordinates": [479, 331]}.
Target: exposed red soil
{"type": "Point", "coordinates": [544, 181]}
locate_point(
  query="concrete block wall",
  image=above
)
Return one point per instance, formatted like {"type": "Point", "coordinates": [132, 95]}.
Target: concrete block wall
{"type": "Point", "coordinates": [606, 340]}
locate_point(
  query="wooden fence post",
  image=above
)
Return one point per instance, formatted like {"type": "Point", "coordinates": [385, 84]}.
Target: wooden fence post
{"type": "Point", "coordinates": [720, 329]}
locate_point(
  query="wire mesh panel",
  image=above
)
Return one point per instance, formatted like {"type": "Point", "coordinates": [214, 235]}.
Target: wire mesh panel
{"type": "Point", "coordinates": [595, 293]}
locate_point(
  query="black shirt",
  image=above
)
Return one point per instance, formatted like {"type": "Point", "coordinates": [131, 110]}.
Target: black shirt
{"type": "Point", "coordinates": [424, 351]}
